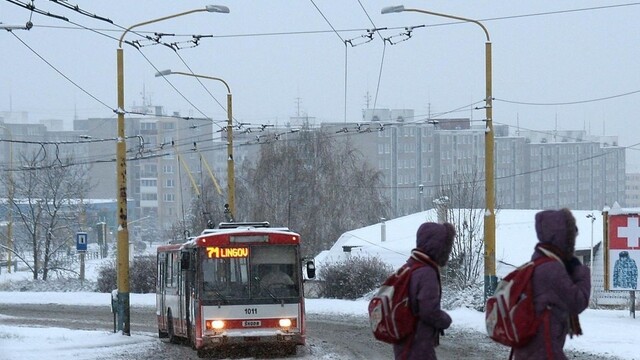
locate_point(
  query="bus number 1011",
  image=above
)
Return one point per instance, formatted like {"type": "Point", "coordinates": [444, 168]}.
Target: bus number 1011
{"type": "Point", "coordinates": [251, 311]}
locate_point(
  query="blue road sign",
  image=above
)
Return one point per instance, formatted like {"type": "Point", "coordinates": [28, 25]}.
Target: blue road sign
{"type": "Point", "coordinates": [81, 241]}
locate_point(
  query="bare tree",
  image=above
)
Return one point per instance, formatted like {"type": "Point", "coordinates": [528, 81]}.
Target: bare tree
{"type": "Point", "coordinates": [316, 185]}
{"type": "Point", "coordinates": [461, 200]}
{"type": "Point", "coordinates": [48, 204]}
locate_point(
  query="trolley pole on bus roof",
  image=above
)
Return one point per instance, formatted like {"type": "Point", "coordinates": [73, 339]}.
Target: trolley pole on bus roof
{"type": "Point", "coordinates": [231, 182]}
{"type": "Point", "coordinates": [123, 322]}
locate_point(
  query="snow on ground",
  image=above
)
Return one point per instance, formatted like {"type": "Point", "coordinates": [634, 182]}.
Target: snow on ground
{"type": "Point", "coordinates": [606, 332]}
{"type": "Point", "coordinates": [59, 343]}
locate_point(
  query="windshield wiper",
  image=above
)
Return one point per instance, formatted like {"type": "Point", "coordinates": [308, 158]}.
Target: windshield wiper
{"type": "Point", "coordinates": [220, 296]}
{"type": "Point", "coordinates": [208, 287]}
{"type": "Point", "coordinates": [266, 289]}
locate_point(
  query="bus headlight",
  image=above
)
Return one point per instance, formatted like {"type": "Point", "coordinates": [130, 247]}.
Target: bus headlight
{"type": "Point", "coordinates": [214, 324]}
{"type": "Point", "coordinates": [285, 323]}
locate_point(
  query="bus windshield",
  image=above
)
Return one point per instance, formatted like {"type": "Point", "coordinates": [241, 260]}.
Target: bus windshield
{"type": "Point", "coordinates": [251, 272]}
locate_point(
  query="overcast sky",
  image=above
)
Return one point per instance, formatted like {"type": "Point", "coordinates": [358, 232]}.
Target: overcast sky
{"type": "Point", "coordinates": [283, 58]}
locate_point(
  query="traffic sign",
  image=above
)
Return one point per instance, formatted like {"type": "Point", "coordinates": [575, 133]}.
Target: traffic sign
{"type": "Point", "coordinates": [81, 241]}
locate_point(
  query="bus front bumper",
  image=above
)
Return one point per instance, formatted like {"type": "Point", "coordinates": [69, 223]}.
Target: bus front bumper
{"type": "Point", "coordinates": [257, 338]}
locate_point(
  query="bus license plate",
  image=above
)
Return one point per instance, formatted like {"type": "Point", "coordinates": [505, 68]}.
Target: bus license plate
{"type": "Point", "coordinates": [251, 323]}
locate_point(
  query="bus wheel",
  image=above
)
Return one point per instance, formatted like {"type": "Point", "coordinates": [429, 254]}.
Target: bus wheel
{"type": "Point", "coordinates": [171, 335]}
{"type": "Point", "coordinates": [162, 334]}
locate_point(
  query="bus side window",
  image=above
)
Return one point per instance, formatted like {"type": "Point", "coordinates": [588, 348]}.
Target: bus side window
{"type": "Point", "coordinates": [160, 275]}
{"type": "Point", "coordinates": [167, 271]}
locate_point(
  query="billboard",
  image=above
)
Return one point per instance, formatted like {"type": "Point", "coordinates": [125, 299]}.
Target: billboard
{"type": "Point", "coordinates": [622, 251]}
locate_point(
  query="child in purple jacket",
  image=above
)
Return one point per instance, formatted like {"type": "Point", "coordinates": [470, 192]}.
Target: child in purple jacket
{"type": "Point", "coordinates": [433, 245]}
{"type": "Point", "coordinates": [561, 288]}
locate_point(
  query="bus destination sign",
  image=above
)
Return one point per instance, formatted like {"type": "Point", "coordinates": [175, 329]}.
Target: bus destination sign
{"type": "Point", "coordinates": [227, 252]}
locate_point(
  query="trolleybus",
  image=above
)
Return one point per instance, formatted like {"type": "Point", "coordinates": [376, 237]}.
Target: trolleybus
{"type": "Point", "coordinates": [215, 291]}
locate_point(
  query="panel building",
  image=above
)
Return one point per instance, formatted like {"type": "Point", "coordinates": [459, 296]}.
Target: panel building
{"type": "Point", "coordinates": [164, 166]}
{"type": "Point", "coordinates": [533, 170]}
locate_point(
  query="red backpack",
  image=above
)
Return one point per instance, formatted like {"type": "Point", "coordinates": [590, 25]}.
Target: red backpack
{"type": "Point", "coordinates": [510, 314]}
{"type": "Point", "coordinates": [390, 314]}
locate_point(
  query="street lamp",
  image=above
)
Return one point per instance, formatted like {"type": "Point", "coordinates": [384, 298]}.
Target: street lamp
{"type": "Point", "coordinates": [490, 279]}
{"type": "Point", "coordinates": [231, 183]}
{"type": "Point", "coordinates": [593, 219]}
{"type": "Point", "coordinates": [11, 191]}
{"type": "Point", "coordinates": [121, 176]}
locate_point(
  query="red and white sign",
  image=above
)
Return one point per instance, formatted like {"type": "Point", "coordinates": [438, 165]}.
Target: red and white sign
{"type": "Point", "coordinates": [624, 232]}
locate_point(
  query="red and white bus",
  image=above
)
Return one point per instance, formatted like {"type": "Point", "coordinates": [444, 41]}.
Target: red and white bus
{"type": "Point", "coordinates": [212, 290]}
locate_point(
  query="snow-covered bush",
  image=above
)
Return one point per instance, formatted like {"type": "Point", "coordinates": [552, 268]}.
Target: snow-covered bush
{"type": "Point", "coordinates": [353, 278]}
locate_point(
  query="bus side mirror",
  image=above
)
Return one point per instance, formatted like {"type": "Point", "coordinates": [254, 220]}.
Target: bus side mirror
{"type": "Point", "coordinates": [185, 263]}
{"type": "Point", "coordinates": [311, 269]}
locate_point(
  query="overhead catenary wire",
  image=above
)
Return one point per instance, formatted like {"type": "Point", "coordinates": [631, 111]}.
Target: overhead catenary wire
{"type": "Point", "coordinates": [87, 28]}
{"type": "Point", "coordinates": [61, 73]}
{"type": "Point", "coordinates": [77, 9]}
{"type": "Point", "coordinates": [384, 48]}
{"type": "Point", "coordinates": [202, 84]}
{"type": "Point", "coordinates": [171, 84]}
{"type": "Point", "coordinates": [327, 21]}
{"type": "Point", "coordinates": [577, 102]}
{"type": "Point", "coordinates": [358, 130]}
{"type": "Point", "coordinates": [550, 13]}
{"type": "Point", "coordinates": [33, 9]}
{"type": "Point", "coordinates": [312, 32]}
{"type": "Point", "coordinates": [221, 146]}
{"type": "Point", "coordinates": [375, 28]}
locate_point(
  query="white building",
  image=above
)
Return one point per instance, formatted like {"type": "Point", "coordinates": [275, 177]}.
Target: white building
{"type": "Point", "coordinates": [393, 240]}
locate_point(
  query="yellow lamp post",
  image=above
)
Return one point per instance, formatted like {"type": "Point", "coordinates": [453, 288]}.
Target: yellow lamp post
{"type": "Point", "coordinates": [10, 202]}
{"type": "Point", "coordinates": [121, 177]}
{"type": "Point", "coordinates": [231, 183]}
{"type": "Point", "coordinates": [490, 279]}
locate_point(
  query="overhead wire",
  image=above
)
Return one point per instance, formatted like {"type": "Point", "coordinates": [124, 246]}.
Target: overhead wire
{"type": "Point", "coordinates": [311, 32]}
{"type": "Point", "coordinates": [546, 13]}
{"type": "Point", "coordinates": [327, 21]}
{"type": "Point", "coordinates": [568, 102]}
{"type": "Point", "coordinates": [83, 12]}
{"type": "Point", "coordinates": [221, 145]}
{"type": "Point", "coordinates": [172, 85]}
{"type": "Point", "coordinates": [384, 49]}
{"type": "Point", "coordinates": [61, 73]}
{"type": "Point", "coordinates": [344, 42]}
{"type": "Point", "coordinates": [201, 83]}
{"type": "Point", "coordinates": [334, 30]}
{"type": "Point", "coordinates": [32, 8]}
{"type": "Point", "coordinates": [77, 9]}
{"type": "Point", "coordinates": [375, 28]}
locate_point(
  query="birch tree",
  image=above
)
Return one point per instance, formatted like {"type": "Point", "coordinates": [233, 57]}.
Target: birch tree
{"type": "Point", "coordinates": [48, 210]}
